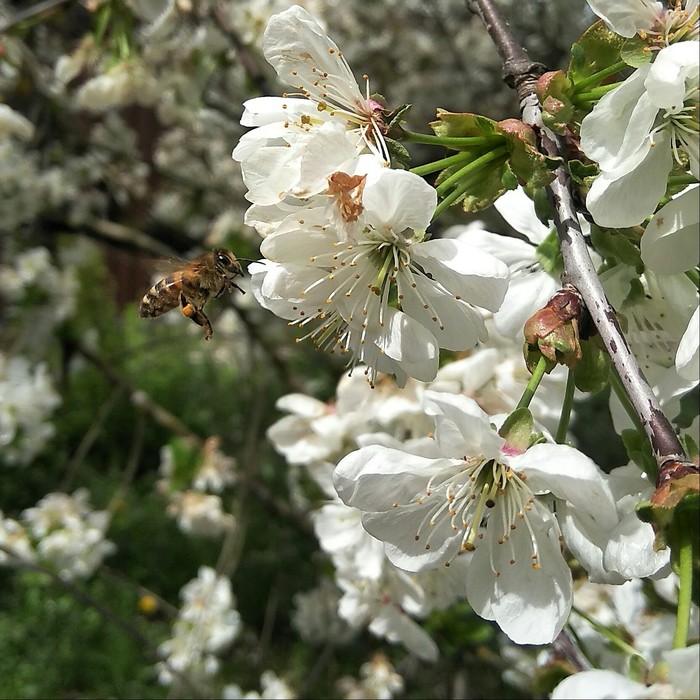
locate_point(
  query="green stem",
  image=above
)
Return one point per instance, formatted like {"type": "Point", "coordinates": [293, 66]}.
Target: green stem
{"type": "Point", "coordinates": [441, 164]}
{"type": "Point", "coordinates": [594, 94]}
{"type": "Point", "coordinates": [567, 407]}
{"type": "Point", "coordinates": [451, 141]}
{"type": "Point", "coordinates": [685, 589]}
{"type": "Point", "coordinates": [456, 193]}
{"type": "Point", "coordinates": [608, 634]}
{"type": "Point", "coordinates": [693, 276]}
{"type": "Point", "coordinates": [596, 77]}
{"type": "Point", "coordinates": [476, 164]}
{"type": "Point", "coordinates": [533, 383]}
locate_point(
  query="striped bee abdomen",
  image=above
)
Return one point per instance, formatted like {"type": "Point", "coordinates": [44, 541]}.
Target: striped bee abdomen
{"type": "Point", "coordinates": [162, 296]}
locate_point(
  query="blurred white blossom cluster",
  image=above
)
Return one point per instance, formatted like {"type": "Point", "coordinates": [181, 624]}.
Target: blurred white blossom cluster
{"type": "Point", "coordinates": [61, 532]}
{"type": "Point", "coordinates": [193, 499]}
{"type": "Point", "coordinates": [272, 687]}
{"type": "Point", "coordinates": [206, 625]}
{"type": "Point", "coordinates": [28, 399]}
{"type": "Point", "coordinates": [378, 681]}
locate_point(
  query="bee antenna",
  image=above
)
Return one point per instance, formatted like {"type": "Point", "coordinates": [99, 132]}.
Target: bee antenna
{"type": "Point", "coordinates": [246, 259]}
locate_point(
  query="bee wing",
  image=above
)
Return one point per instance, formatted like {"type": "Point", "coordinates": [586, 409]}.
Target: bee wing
{"type": "Point", "coordinates": [167, 266]}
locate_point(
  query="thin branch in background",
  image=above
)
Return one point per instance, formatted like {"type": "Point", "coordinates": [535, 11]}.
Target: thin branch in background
{"type": "Point", "coordinates": [119, 233]}
{"type": "Point", "coordinates": [132, 464]}
{"type": "Point", "coordinates": [521, 73]}
{"type": "Point", "coordinates": [32, 12]}
{"type": "Point", "coordinates": [172, 423]}
{"type": "Point", "coordinates": [91, 434]}
{"type": "Point", "coordinates": [141, 399]}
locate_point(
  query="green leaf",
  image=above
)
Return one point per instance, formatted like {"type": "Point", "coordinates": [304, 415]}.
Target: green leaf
{"type": "Point", "coordinates": [617, 245]}
{"type": "Point", "coordinates": [639, 450]}
{"type": "Point", "coordinates": [597, 49]}
{"type": "Point", "coordinates": [581, 172]}
{"type": "Point", "coordinates": [523, 165]}
{"type": "Point", "coordinates": [549, 254]}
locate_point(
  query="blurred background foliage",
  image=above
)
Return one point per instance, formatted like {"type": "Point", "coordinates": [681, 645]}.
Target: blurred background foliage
{"type": "Point", "coordinates": [107, 186]}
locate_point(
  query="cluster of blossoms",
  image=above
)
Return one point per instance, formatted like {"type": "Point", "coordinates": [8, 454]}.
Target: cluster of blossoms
{"type": "Point", "coordinates": [407, 490]}
{"type": "Point", "coordinates": [207, 624]}
{"type": "Point", "coordinates": [345, 236]}
{"type": "Point", "coordinates": [61, 532]}
{"type": "Point", "coordinates": [27, 400]}
{"type": "Point", "coordinates": [488, 515]}
{"type": "Point", "coordinates": [194, 499]}
{"type": "Point", "coordinates": [271, 687]}
{"type": "Point", "coordinates": [435, 488]}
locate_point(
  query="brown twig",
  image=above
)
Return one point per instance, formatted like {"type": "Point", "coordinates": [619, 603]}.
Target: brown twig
{"type": "Point", "coordinates": [29, 13]}
{"type": "Point", "coordinates": [522, 74]}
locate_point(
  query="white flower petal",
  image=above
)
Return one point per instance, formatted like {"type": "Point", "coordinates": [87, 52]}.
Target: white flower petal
{"type": "Point", "coordinates": [670, 241]}
{"type": "Point", "coordinates": [461, 427]}
{"type": "Point", "coordinates": [602, 685]}
{"type": "Point", "coordinates": [397, 200]}
{"type": "Point", "coordinates": [620, 201]}
{"type": "Point", "coordinates": [687, 356]}
{"type": "Point", "coordinates": [531, 605]}
{"type": "Point", "coordinates": [627, 17]}
{"type": "Point", "coordinates": [477, 277]}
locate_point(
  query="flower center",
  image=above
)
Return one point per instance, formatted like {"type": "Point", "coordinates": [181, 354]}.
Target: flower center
{"type": "Point", "coordinates": [485, 501]}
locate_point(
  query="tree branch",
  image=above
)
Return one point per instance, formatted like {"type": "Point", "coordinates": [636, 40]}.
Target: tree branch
{"type": "Point", "coordinates": [521, 73]}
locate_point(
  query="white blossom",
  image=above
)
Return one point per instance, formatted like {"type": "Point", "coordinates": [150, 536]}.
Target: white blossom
{"type": "Point", "coordinates": [671, 240]}
{"type": "Point", "coordinates": [206, 625]}
{"type": "Point", "coordinates": [67, 534]}
{"type": "Point", "coordinates": [349, 288]}
{"type": "Point", "coordinates": [648, 18]}
{"type": "Point", "coordinates": [27, 401]}
{"type": "Point", "coordinates": [429, 511]}
{"type": "Point", "coordinates": [636, 131]}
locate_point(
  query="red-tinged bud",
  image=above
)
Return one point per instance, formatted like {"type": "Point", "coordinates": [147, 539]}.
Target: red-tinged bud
{"type": "Point", "coordinates": [554, 91]}
{"type": "Point", "coordinates": [519, 129]}
{"type": "Point", "coordinates": [553, 331]}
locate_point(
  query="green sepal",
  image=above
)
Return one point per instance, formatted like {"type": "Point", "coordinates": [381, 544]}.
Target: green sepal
{"type": "Point", "coordinates": [592, 372]}
{"type": "Point", "coordinates": [400, 157]}
{"type": "Point", "coordinates": [517, 430]}
{"type": "Point", "coordinates": [532, 355]}
{"type": "Point", "coordinates": [635, 52]}
{"type": "Point", "coordinates": [395, 119]}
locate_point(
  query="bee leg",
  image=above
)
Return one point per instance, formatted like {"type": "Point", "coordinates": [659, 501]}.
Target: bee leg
{"type": "Point", "coordinates": [230, 286]}
{"type": "Point", "coordinates": [197, 315]}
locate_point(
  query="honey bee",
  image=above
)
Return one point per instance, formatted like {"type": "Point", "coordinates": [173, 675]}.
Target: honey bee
{"type": "Point", "coordinates": [191, 284]}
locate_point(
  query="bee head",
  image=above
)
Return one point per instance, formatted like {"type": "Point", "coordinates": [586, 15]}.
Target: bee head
{"type": "Point", "coordinates": [227, 263]}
